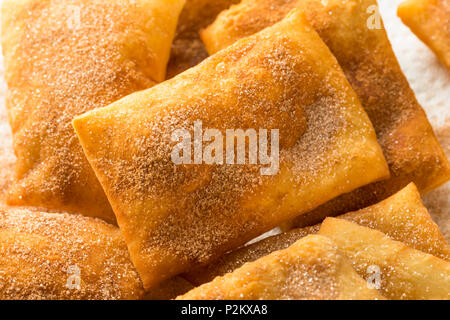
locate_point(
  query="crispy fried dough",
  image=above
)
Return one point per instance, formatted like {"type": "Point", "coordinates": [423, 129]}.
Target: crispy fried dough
{"type": "Point", "coordinates": [310, 269]}
{"type": "Point", "coordinates": [43, 254]}
{"type": "Point", "coordinates": [7, 157]}
{"type": "Point", "coordinates": [41, 251]}
{"type": "Point", "coordinates": [402, 217]}
{"type": "Point", "coordinates": [354, 32]}
{"type": "Point", "coordinates": [430, 22]}
{"type": "Point", "coordinates": [405, 273]}
{"type": "Point", "coordinates": [187, 48]}
{"type": "Point", "coordinates": [62, 59]}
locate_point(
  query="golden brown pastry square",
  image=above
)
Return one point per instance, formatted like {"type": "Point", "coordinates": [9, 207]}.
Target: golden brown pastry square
{"type": "Point", "coordinates": [187, 48]}
{"type": "Point", "coordinates": [404, 273]}
{"type": "Point", "coordinates": [63, 256]}
{"type": "Point", "coordinates": [354, 32]}
{"type": "Point", "coordinates": [310, 269]}
{"type": "Point", "coordinates": [403, 217]}
{"type": "Point", "coordinates": [430, 21]}
{"type": "Point", "coordinates": [177, 216]}
{"type": "Point", "coordinates": [62, 59]}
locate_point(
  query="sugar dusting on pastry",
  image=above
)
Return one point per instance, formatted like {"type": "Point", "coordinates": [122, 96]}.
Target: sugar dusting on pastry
{"type": "Point", "coordinates": [310, 275]}
{"type": "Point", "coordinates": [431, 84]}
{"type": "Point", "coordinates": [40, 251]}
{"type": "Point", "coordinates": [187, 48]}
{"type": "Point", "coordinates": [216, 191]}
{"type": "Point", "coordinates": [63, 59]}
{"type": "Point", "coordinates": [403, 217]}
{"type": "Point", "coordinates": [312, 268]}
{"type": "Point", "coordinates": [406, 273]}
{"type": "Point", "coordinates": [243, 20]}
{"type": "Point", "coordinates": [222, 186]}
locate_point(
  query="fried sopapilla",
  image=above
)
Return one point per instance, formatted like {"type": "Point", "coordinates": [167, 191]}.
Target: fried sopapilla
{"type": "Point", "coordinates": [176, 215]}
{"type": "Point", "coordinates": [430, 22]}
{"type": "Point", "coordinates": [64, 58]}
{"type": "Point", "coordinates": [354, 32]}
{"type": "Point", "coordinates": [403, 217]}
{"type": "Point", "coordinates": [310, 269]}
{"type": "Point", "coordinates": [63, 256]}
{"type": "Point", "coordinates": [59, 256]}
{"type": "Point", "coordinates": [188, 49]}
{"type": "Point", "coordinates": [404, 273]}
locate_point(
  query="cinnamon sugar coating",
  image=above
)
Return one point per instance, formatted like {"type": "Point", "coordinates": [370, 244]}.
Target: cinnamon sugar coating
{"type": "Point", "coordinates": [41, 251]}
{"type": "Point", "coordinates": [177, 216]}
{"type": "Point", "coordinates": [169, 289]}
{"type": "Point", "coordinates": [405, 273]}
{"type": "Point", "coordinates": [62, 59]}
{"type": "Point", "coordinates": [403, 217]}
{"type": "Point", "coordinates": [310, 269]}
{"type": "Point", "coordinates": [237, 258]}
{"type": "Point", "coordinates": [187, 48]}
{"type": "Point", "coordinates": [356, 36]}
{"type": "Point", "coordinates": [430, 21]}
{"type": "Point", "coordinates": [7, 157]}
{"type": "Point", "coordinates": [41, 254]}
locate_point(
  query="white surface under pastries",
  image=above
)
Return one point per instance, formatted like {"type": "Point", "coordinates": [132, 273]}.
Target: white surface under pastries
{"type": "Point", "coordinates": [428, 78]}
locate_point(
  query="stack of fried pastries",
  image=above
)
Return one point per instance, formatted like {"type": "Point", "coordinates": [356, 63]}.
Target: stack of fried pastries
{"type": "Point", "coordinates": [363, 50]}
{"type": "Point", "coordinates": [430, 21]}
{"type": "Point", "coordinates": [100, 209]}
{"type": "Point", "coordinates": [57, 67]}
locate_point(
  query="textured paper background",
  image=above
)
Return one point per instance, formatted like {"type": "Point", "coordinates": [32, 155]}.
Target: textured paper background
{"type": "Point", "coordinates": [428, 78]}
